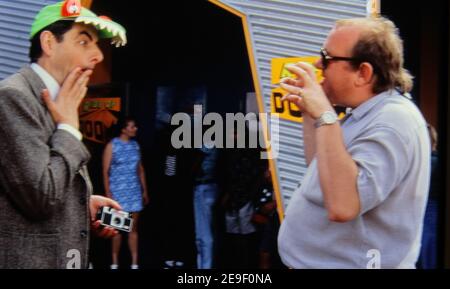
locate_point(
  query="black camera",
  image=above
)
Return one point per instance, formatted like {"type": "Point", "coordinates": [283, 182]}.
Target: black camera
{"type": "Point", "coordinates": [116, 219]}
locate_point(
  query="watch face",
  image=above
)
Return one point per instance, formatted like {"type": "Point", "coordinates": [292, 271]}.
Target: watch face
{"type": "Point", "coordinates": [329, 118]}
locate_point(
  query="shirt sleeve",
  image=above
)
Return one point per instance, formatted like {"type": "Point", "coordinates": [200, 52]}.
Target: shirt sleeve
{"type": "Point", "coordinates": [382, 156]}
{"type": "Point", "coordinates": [73, 131]}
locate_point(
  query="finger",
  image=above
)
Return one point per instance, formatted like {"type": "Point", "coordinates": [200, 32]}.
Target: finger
{"type": "Point", "coordinates": [290, 97]}
{"type": "Point", "coordinates": [96, 224]}
{"type": "Point", "coordinates": [84, 78]}
{"type": "Point", "coordinates": [297, 100]}
{"type": "Point", "coordinates": [71, 78]}
{"type": "Point", "coordinates": [113, 204]}
{"type": "Point", "coordinates": [108, 233]}
{"type": "Point", "coordinates": [96, 202]}
{"type": "Point", "coordinates": [95, 228]}
{"type": "Point", "coordinates": [111, 233]}
{"type": "Point", "coordinates": [291, 81]}
{"type": "Point", "coordinates": [81, 83]}
{"type": "Point", "coordinates": [309, 68]}
{"type": "Point", "coordinates": [82, 94]}
{"type": "Point", "coordinates": [45, 94]}
{"type": "Point", "coordinates": [103, 201]}
{"type": "Point", "coordinates": [291, 89]}
{"type": "Point", "coordinates": [300, 72]}
{"type": "Point", "coordinates": [101, 233]}
{"type": "Point", "coordinates": [105, 232]}
{"type": "Point", "coordinates": [86, 74]}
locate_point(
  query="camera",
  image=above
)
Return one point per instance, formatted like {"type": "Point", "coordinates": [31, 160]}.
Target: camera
{"type": "Point", "coordinates": [116, 219]}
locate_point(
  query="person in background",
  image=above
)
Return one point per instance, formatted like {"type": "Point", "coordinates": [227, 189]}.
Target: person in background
{"type": "Point", "coordinates": [241, 170]}
{"type": "Point", "coordinates": [46, 201]}
{"type": "Point", "coordinates": [124, 181]}
{"type": "Point", "coordinates": [267, 221]}
{"type": "Point", "coordinates": [206, 193]}
{"type": "Point", "coordinates": [428, 258]}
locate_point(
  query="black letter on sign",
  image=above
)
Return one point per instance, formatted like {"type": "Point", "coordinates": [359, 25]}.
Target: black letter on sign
{"type": "Point", "coordinates": [277, 100]}
{"type": "Point", "coordinates": [294, 111]}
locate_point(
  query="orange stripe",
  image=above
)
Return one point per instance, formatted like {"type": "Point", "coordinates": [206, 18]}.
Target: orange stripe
{"type": "Point", "coordinates": [259, 98]}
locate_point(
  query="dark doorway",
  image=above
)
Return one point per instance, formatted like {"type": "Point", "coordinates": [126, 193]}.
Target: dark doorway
{"type": "Point", "coordinates": [424, 29]}
{"type": "Point", "coordinates": [177, 44]}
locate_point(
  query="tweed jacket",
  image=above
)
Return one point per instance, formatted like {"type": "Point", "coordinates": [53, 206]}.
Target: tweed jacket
{"type": "Point", "coordinates": [44, 184]}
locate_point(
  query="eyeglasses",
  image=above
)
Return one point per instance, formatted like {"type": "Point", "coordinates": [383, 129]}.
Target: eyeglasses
{"type": "Point", "coordinates": [326, 58]}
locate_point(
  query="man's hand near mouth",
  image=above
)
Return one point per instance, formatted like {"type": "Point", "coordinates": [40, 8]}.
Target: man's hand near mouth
{"type": "Point", "coordinates": [64, 109]}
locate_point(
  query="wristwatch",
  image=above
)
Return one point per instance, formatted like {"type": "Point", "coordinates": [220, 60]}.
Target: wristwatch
{"type": "Point", "coordinates": [328, 117]}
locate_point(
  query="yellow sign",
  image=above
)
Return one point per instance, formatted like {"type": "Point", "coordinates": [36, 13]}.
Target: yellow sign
{"type": "Point", "coordinates": [285, 109]}
{"type": "Point", "coordinates": [90, 104]}
{"type": "Point", "coordinates": [96, 117]}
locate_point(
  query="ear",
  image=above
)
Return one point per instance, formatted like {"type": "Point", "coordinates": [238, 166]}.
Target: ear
{"type": "Point", "coordinates": [47, 42]}
{"type": "Point", "coordinates": [365, 74]}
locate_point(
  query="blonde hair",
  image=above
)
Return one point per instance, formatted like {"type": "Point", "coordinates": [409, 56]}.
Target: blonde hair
{"type": "Point", "coordinates": [381, 46]}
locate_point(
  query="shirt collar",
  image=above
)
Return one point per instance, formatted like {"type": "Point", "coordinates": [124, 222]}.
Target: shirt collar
{"type": "Point", "coordinates": [366, 106]}
{"type": "Point", "coordinates": [51, 84]}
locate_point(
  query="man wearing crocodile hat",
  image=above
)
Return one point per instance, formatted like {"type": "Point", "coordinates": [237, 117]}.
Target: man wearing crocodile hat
{"type": "Point", "coordinates": [46, 201]}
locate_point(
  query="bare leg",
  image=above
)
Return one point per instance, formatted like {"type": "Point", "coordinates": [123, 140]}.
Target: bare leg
{"type": "Point", "coordinates": [133, 240]}
{"type": "Point", "coordinates": [116, 241]}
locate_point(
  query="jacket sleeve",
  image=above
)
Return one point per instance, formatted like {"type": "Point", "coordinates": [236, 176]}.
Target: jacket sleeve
{"type": "Point", "coordinates": [36, 171]}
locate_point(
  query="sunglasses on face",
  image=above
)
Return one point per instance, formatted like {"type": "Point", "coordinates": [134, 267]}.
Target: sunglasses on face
{"type": "Point", "coordinates": [326, 58]}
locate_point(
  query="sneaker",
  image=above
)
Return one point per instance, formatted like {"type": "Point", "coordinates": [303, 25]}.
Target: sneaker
{"type": "Point", "coordinates": [114, 266]}
{"type": "Point", "coordinates": [134, 266]}
{"type": "Point", "coordinates": [169, 263]}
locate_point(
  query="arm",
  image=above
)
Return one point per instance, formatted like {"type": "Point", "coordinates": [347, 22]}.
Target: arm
{"type": "Point", "coordinates": [309, 138]}
{"type": "Point", "coordinates": [141, 173]}
{"type": "Point", "coordinates": [106, 163]}
{"type": "Point", "coordinates": [37, 167]}
{"type": "Point", "coordinates": [338, 174]}
{"type": "Point", "coordinates": [337, 170]}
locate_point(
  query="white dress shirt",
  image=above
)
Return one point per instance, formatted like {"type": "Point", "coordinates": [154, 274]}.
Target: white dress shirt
{"type": "Point", "coordinates": [53, 88]}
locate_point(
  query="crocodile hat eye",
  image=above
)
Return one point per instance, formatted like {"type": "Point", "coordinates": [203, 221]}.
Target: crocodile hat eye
{"type": "Point", "coordinates": [73, 9]}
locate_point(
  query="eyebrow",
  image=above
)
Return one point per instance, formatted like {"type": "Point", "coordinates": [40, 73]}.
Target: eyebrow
{"type": "Point", "coordinates": [87, 34]}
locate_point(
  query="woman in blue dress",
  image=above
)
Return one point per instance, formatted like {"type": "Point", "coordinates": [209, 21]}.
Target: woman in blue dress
{"type": "Point", "coordinates": [124, 181]}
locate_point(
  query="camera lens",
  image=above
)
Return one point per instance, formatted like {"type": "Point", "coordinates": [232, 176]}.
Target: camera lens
{"type": "Point", "coordinates": [117, 221]}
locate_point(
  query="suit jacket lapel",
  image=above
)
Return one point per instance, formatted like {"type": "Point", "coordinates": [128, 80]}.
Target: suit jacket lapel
{"type": "Point", "coordinates": [37, 85]}
{"type": "Point", "coordinates": [35, 82]}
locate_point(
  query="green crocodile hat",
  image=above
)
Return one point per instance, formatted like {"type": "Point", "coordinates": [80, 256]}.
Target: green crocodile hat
{"type": "Point", "coordinates": [72, 10]}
